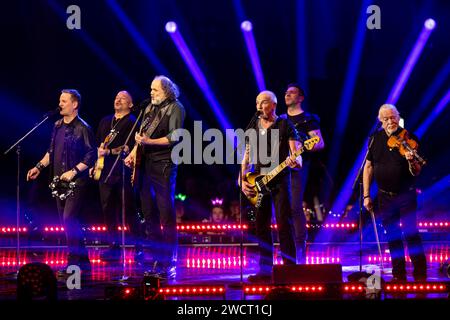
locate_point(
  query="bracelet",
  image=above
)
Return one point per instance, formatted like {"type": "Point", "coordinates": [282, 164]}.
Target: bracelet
{"type": "Point", "coordinates": [366, 197]}
{"type": "Point", "coordinates": [77, 171]}
{"type": "Point", "coordinates": [40, 166]}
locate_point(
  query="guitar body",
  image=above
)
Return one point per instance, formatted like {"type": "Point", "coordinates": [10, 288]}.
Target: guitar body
{"type": "Point", "coordinates": [100, 163]}
{"type": "Point", "coordinates": [137, 164]}
{"type": "Point", "coordinates": [260, 188]}
{"type": "Point", "coordinates": [261, 181]}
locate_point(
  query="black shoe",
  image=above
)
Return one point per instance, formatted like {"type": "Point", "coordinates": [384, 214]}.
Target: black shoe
{"type": "Point", "coordinates": [260, 278]}
{"type": "Point", "coordinates": [168, 273]}
{"type": "Point", "coordinates": [111, 254]}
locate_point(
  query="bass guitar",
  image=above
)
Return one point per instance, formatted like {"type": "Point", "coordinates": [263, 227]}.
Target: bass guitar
{"type": "Point", "coordinates": [261, 181]}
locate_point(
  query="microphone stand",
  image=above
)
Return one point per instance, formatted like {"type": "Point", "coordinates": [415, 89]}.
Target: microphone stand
{"type": "Point", "coordinates": [16, 145]}
{"type": "Point", "coordinates": [121, 154]}
{"type": "Point", "coordinates": [359, 179]}
{"type": "Point", "coordinates": [241, 245]}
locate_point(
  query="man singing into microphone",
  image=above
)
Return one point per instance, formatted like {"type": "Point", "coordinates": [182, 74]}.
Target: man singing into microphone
{"type": "Point", "coordinates": [280, 193]}
{"type": "Point", "coordinates": [71, 153]}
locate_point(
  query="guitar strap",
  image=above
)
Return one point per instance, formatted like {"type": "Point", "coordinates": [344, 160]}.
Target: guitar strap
{"type": "Point", "coordinates": [157, 120]}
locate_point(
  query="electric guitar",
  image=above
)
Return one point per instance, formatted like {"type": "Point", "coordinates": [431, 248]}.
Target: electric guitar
{"type": "Point", "coordinates": [100, 163]}
{"type": "Point", "coordinates": [137, 154]}
{"type": "Point", "coordinates": [261, 181]}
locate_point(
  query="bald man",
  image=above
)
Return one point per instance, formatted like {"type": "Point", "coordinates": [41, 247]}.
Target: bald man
{"type": "Point", "coordinates": [121, 123]}
{"type": "Point", "coordinates": [269, 124]}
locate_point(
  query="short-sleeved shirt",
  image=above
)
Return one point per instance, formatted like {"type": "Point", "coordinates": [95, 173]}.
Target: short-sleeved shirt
{"type": "Point", "coordinates": [279, 150]}
{"type": "Point", "coordinates": [391, 169]}
{"type": "Point", "coordinates": [304, 123]}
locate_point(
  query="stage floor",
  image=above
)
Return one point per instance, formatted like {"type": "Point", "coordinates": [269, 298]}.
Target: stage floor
{"type": "Point", "coordinates": [209, 265]}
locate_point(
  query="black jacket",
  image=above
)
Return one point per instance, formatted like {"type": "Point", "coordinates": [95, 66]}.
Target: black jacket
{"type": "Point", "coordinates": [79, 146]}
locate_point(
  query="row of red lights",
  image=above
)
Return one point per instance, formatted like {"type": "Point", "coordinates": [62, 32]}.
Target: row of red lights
{"type": "Point", "coordinates": [193, 227]}
{"type": "Point", "coordinates": [93, 228]}
{"type": "Point", "coordinates": [431, 258]}
{"type": "Point", "coordinates": [12, 229]}
{"type": "Point", "coordinates": [416, 287]}
{"type": "Point", "coordinates": [293, 288]}
{"type": "Point", "coordinates": [196, 227]}
{"type": "Point", "coordinates": [441, 224]}
{"type": "Point", "coordinates": [200, 290]}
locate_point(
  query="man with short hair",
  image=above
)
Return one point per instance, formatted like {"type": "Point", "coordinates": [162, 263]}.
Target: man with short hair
{"type": "Point", "coordinates": [71, 153]}
{"type": "Point", "coordinates": [307, 125]}
{"type": "Point", "coordinates": [269, 124]}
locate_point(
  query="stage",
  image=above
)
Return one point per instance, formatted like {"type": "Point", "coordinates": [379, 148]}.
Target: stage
{"type": "Point", "coordinates": [213, 272]}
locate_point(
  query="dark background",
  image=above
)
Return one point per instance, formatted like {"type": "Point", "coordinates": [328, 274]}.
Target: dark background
{"type": "Point", "coordinates": [40, 56]}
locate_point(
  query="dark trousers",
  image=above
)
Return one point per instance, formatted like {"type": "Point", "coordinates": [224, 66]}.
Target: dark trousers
{"type": "Point", "coordinates": [111, 201]}
{"type": "Point", "coordinates": [280, 197]}
{"type": "Point", "coordinates": [69, 211]}
{"type": "Point", "coordinates": [157, 193]}
{"type": "Point", "coordinates": [393, 210]}
{"type": "Point", "coordinates": [298, 185]}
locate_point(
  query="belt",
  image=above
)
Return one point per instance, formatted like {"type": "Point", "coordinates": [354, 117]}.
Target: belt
{"type": "Point", "coordinates": [393, 194]}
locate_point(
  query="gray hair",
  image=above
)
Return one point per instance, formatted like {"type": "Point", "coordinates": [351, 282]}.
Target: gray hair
{"type": "Point", "coordinates": [271, 94]}
{"type": "Point", "coordinates": [388, 106]}
{"type": "Point", "coordinates": [169, 87]}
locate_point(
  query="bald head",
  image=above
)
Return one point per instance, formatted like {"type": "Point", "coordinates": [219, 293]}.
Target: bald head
{"type": "Point", "coordinates": [123, 102]}
{"type": "Point", "coordinates": [266, 103]}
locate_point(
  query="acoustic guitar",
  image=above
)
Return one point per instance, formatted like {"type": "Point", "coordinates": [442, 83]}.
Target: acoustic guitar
{"type": "Point", "coordinates": [100, 163]}
{"type": "Point", "coordinates": [261, 181]}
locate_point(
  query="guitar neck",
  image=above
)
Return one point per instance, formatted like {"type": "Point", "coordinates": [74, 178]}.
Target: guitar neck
{"type": "Point", "coordinates": [274, 172]}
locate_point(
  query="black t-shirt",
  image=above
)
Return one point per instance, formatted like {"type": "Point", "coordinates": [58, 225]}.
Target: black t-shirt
{"type": "Point", "coordinates": [123, 127]}
{"type": "Point", "coordinates": [172, 120]}
{"type": "Point", "coordinates": [280, 148]}
{"type": "Point", "coordinates": [304, 123]}
{"type": "Point", "coordinates": [391, 169]}
{"type": "Point", "coordinates": [60, 156]}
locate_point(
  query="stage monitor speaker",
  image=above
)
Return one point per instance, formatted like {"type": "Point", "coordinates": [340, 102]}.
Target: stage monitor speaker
{"type": "Point", "coordinates": [307, 273]}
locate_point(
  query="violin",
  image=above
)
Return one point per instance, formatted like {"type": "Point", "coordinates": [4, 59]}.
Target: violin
{"type": "Point", "coordinates": [404, 143]}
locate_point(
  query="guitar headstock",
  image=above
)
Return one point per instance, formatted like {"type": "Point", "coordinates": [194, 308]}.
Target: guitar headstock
{"type": "Point", "coordinates": [310, 143]}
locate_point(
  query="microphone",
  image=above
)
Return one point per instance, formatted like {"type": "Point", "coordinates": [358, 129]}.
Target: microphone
{"type": "Point", "coordinates": [141, 105]}
{"type": "Point", "coordinates": [252, 121]}
{"type": "Point", "coordinates": [52, 112]}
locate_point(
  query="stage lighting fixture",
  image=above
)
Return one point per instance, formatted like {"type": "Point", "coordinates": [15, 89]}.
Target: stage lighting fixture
{"type": "Point", "coordinates": [171, 27]}
{"type": "Point", "coordinates": [246, 26]}
{"type": "Point", "coordinates": [430, 24]}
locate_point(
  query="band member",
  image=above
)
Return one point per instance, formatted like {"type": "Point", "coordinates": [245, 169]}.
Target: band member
{"type": "Point", "coordinates": [307, 125]}
{"type": "Point", "coordinates": [72, 151]}
{"type": "Point", "coordinates": [112, 133]}
{"type": "Point", "coordinates": [158, 173]}
{"type": "Point", "coordinates": [397, 201]}
{"type": "Point", "coordinates": [280, 193]}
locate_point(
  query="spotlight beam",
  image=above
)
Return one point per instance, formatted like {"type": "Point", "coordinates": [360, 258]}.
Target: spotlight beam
{"type": "Point", "coordinates": [137, 37]}
{"type": "Point", "coordinates": [349, 87]}
{"type": "Point", "coordinates": [196, 72]}
{"type": "Point", "coordinates": [346, 190]}
{"type": "Point", "coordinates": [246, 28]}
{"type": "Point", "coordinates": [434, 114]}
{"type": "Point", "coordinates": [95, 48]}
